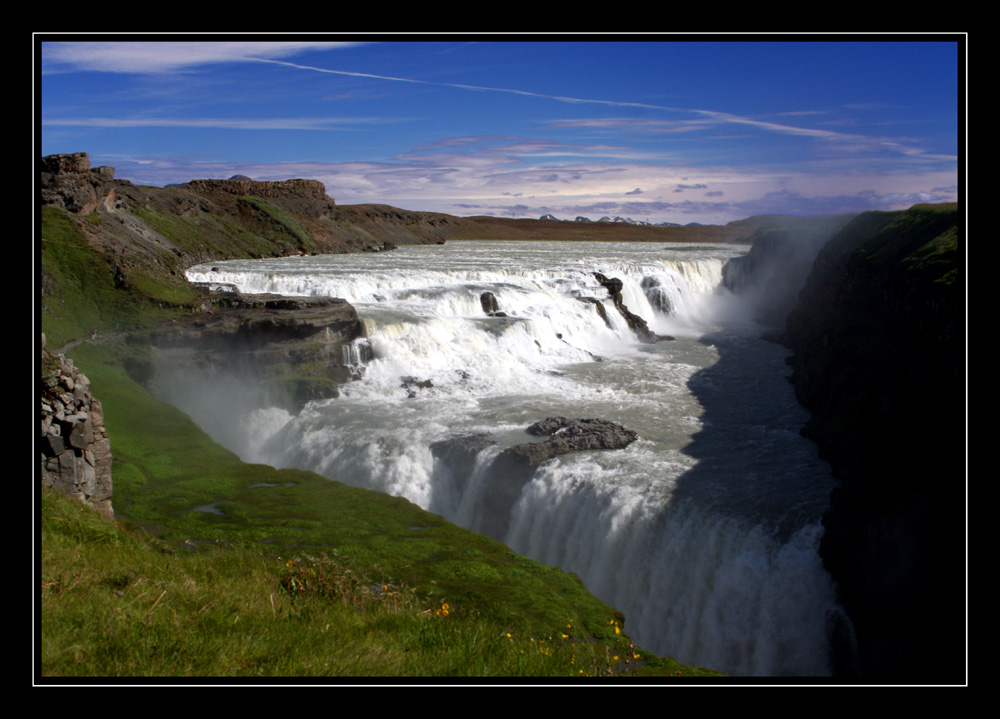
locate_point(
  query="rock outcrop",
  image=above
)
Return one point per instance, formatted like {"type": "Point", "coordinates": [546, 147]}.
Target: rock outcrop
{"type": "Point", "coordinates": [637, 324]}
{"type": "Point", "coordinates": [491, 308]}
{"type": "Point", "coordinates": [69, 182]}
{"type": "Point", "coordinates": [514, 466]}
{"type": "Point", "coordinates": [75, 450]}
{"type": "Point", "coordinates": [290, 349]}
{"type": "Point", "coordinates": [564, 436]}
{"type": "Point", "coordinates": [310, 189]}
{"type": "Point", "coordinates": [879, 361]}
{"type": "Point", "coordinates": [171, 228]}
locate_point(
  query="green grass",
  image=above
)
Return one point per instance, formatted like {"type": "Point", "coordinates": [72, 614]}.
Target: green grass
{"type": "Point", "coordinates": [287, 581]}
{"type": "Point", "coordinates": [205, 233]}
{"type": "Point", "coordinates": [276, 224]}
{"type": "Point", "coordinates": [117, 602]}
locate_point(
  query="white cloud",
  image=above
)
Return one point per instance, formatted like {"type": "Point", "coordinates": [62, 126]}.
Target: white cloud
{"type": "Point", "coordinates": [159, 57]}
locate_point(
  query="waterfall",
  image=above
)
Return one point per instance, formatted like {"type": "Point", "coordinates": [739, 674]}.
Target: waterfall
{"type": "Point", "coordinates": [703, 532]}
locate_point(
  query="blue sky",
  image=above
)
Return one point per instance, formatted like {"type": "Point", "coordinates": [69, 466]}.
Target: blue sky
{"type": "Point", "coordinates": [662, 129]}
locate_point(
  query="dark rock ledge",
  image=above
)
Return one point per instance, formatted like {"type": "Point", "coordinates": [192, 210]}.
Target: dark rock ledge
{"type": "Point", "coordinates": [567, 435]}
{"type": "Point", "coordinates": [298, 348]}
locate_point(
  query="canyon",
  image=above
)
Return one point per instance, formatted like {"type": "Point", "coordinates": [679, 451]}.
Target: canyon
{"type": "Point", "coordinates": [875, 327]}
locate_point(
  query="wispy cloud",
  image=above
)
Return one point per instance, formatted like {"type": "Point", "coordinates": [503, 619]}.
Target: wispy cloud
{"type": "Point", "coordinates": [159, 57]}
{"type": "Point", "coordinates": [631, 125]}
{"type": "Point", "coordinates": [801, 113]}
{"type": "Point", "coordinates": [270, 123]}
{"type": "Point", "coordinates": [460, 86]}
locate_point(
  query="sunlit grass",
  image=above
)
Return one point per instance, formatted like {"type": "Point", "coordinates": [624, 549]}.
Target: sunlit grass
{"type": "Point", "coordinates": [117, 602]}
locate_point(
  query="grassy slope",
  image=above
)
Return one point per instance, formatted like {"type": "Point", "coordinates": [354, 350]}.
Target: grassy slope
{"type": "Point", "coordinates": [116, 602]}
{"type": "Point", "coordinates": [79, 291]}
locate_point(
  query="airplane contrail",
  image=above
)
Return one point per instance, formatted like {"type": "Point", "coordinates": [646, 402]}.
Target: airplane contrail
{"type": "Point", "coordinates": [461, 86]}
{"type": "Point", "coordinates": [721, 117]}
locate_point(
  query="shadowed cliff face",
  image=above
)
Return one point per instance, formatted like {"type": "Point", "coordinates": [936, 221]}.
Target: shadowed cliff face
{"type": "Point", "coordinates": [878, 342]}
{"type": "Point", "coordinates": [770, 276]}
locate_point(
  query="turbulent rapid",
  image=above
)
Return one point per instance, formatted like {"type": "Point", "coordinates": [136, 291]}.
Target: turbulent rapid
{"type": "Point", "coordinates": [704, 531]}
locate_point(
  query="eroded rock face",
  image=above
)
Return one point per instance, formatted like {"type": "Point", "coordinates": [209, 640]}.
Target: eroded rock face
{"type": "Point", "coordinates": [75, 450]}
{"type": "Point", "coordinates": [69, 182]}
{"type": "Point", "coordinates": [245, 186]}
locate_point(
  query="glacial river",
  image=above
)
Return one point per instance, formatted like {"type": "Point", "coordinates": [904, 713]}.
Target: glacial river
{"type": "Point", "coordinates": [704, 531]}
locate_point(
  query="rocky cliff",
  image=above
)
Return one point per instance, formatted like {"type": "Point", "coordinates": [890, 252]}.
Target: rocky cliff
{"type": "Point", "coordinates": [878, 341]}
{"type": "Point", "coordinates": [75, 450]}
{"type": "Point", "coordinates": [216, 219]}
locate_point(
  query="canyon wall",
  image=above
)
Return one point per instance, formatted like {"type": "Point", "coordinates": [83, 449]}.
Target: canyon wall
{"type": "Point", "coordinates": [878, 338]}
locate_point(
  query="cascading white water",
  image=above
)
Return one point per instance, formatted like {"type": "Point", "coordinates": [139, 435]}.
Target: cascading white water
{"type": "Point", "coordinates": [703, 531]}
